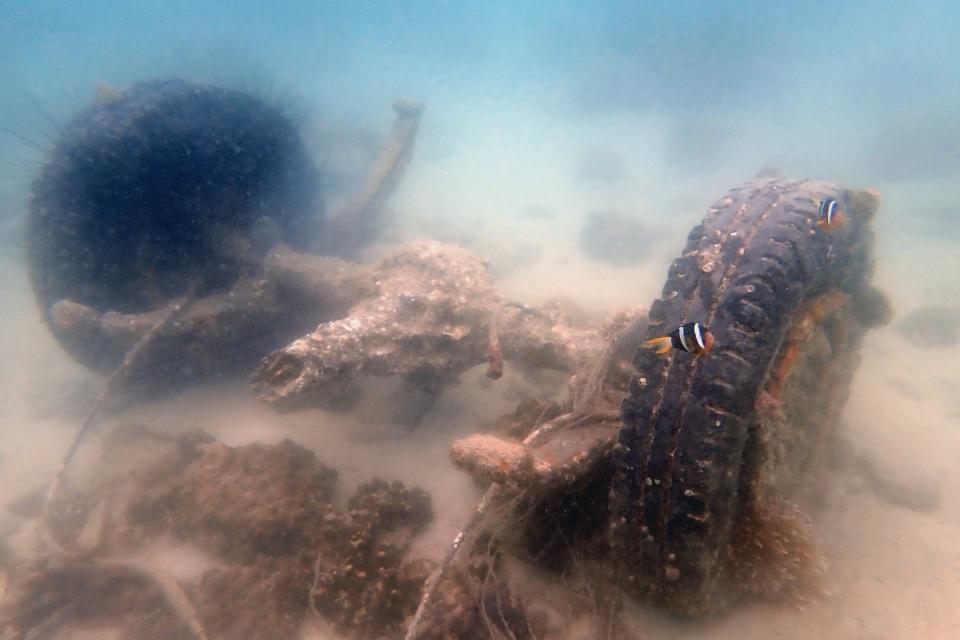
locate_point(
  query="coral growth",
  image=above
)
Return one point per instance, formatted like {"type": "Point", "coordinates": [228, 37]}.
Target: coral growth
{"type": "Point", "coordinates": [241, 503]}
{"type": "Point", "coordinates": [362, 586]}
{"type": "Point", "coordinates": [278, 548]}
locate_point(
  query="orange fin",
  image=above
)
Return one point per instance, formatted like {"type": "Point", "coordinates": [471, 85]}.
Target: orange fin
{"type": "Point", "coordinates": [838, 220]}
{"type": "Point", "coordinates": [662, 345]}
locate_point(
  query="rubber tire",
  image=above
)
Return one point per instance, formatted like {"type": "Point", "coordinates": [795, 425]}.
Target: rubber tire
{"type": "Point", "coordinates": [688, 455]}
{"type": "Point", "coordinates": [139, 189]}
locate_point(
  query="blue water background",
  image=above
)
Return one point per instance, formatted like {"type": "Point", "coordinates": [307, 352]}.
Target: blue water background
{"type": "Point", "coordinates": [655, 108]}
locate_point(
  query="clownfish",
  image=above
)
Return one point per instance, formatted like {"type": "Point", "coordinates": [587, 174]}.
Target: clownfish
{"type": "Point", "coordinates": [690, 337]}
{"type": "Point", "coordinates": [829, 214]}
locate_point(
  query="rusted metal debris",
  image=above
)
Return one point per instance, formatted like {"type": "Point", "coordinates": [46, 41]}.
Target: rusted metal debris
{"type": "Point", "coordinates": [428, 323]}
{"type": "Point", "coordinates": [426, 312]}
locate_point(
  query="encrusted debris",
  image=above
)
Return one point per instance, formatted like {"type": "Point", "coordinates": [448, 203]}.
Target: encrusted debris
{"type": "Point", "coordinates": [428, 324]}
{"type": "Point", "coordinates": [564, 442]}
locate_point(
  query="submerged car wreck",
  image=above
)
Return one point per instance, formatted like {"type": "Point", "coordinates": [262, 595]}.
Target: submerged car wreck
{"type": "Point", "coordinates": [678, 479]}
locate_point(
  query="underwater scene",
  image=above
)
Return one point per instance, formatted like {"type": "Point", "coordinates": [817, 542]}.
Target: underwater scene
{"type": "Point", "coordinates": [513, 320]}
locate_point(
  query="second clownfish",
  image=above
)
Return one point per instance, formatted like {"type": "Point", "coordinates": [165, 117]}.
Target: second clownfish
{"type": "Point", "coordinates": [691, 337]}
{"type": "Point", "coordinates": [829, 214]}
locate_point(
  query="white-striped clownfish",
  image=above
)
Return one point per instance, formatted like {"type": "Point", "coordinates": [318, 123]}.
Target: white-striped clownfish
{"type": "Point", "coordinates": [829, 214]}
{"type": "Point", "coordinates": [691, 337]}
